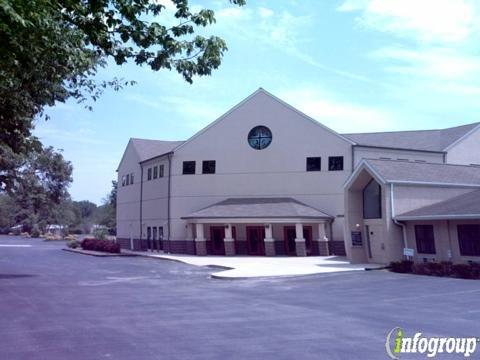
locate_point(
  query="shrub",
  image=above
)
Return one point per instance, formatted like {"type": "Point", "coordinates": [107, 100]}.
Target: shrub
{"type": "Point", "coordinates": [100, 245]}
{"type": "Point", "coordinates": [404, 266]}
{"type": "Point", "coordinates": [100, 233]}
{"type": "Point", "coordinates": [475, 270]}
{"type": "Point", "coordinates": [35, 232]}
{"type": "Point", "coordinates": [73, 244]}
{"type": "Point", "coordinates": [421, 269]}
{"type": "Point", "coordinates": [462, 271]}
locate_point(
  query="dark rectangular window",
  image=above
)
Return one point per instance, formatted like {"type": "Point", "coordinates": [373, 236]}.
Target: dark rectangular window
{"type": "Point", "coordinates": [335, 163]}
{"type": "Point", "coordinates": [154, 237]}
{"type": "Point", "coordinates": [149, 174]}
{"type": "Point", "coordinates": [155, 172]}
{"type": "Point", "coordinates": [208, 167]}
{"type": "Point", "coordinates": [124, 180]}
{"type": "Point", "coordinates": [161, 172]}
{"type": "Point", "coordinates": [425, 239]}
{"type": "Point", "coordinates": [149, 233]}
{"type": "Point", "coordinates": [314, 163]}
{"type": "Point", "coordinates": [188, 167]}
{"type": "Point", "coordinates": [128, 179]}
{"type": "Point", "coordinates": [469, 239]}
{"type": "Point", "coordinates": [372, 201]}
{"type": "Point", "coordinates": [131, 178]}
{"type": "Point", "coordinates": [160, 233]}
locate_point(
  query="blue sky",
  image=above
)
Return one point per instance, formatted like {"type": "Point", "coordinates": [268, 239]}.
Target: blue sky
{"type": "Point", "coordinates": [354, 65]}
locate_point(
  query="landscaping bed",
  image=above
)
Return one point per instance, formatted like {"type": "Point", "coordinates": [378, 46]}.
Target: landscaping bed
{"type": "Point", "coordinates": [441, 269]}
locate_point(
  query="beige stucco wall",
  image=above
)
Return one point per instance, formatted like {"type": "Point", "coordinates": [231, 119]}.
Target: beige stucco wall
{"type": "Point", "coordinates": [446, 241]}
{"type": "Point", "coordinates": [155, 197]}
{"type": "Point", "coordinates": [467, 151]}
{"type": "Point", "coordinates": [277, 171]}
{"type": "Point", "coordinates": [128, 197]}
{"type": "Point", "coordinates": [377, 153]}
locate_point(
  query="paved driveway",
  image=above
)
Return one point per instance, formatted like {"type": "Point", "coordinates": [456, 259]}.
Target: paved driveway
{"type": "Point", "coordinates": [60, 305]}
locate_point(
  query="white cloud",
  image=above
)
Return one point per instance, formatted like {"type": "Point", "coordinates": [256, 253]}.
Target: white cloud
{"type": "Point", "coordinates": [339, 115]}
{"type": "Point", "coordinates": [265, 12]}
{"type": "Point", "coordinates": [423, 20]}
{"type": "Point", "coordinates": [433, 62]}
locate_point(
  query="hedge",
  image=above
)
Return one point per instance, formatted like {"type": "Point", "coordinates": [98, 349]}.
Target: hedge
{"type": "Point", "coordinates": [443, 269]}
{"type": "Point", "coordinates": [100, 245]}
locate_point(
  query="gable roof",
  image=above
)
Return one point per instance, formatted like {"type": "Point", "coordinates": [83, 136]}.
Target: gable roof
{"type": "Point", "coordinates": [465, 206]}
{"type": "Point", "coordinates": [423, 140]}
{"type": "Point", "coordinates": [395, 171]}
{"type": "Point", "coordinates": [251, 208]}
{"type": "Point", "coordinates": [283, 103]}
{"type": "Point", "coordinates": [148, 149]}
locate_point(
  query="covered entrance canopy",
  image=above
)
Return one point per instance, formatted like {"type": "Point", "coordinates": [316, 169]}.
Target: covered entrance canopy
{"type": "Point", "coordinates": [259, 226]}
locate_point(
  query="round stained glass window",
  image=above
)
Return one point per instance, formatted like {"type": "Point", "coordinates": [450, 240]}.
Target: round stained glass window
{"type": "Point", "coordinates": [259, 137]}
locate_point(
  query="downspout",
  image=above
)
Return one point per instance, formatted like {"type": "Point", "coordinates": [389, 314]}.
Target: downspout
{"type": "Point", "coordinates": [396, 222]}
{"type": "Point", "coordinates": [141, 203]}
{"type": "Point", "coordinates": [168, 198]}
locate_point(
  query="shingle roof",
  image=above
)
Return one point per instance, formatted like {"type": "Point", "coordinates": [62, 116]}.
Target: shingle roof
{"type": "Point", "coordinates": [463, 206]}
{"type": "Point", "coordinates": [148, 149]}
{"type": "Point", "coordinates": [425, 140]}
{"type": "Point", "coordinates": [258, 208]}
{"type": "Point", "coordinates": [406, 171]}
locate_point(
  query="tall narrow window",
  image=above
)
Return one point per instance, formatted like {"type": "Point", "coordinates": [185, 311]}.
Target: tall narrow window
{"type": "Point", "coordinates": [149, 174]}
{"type": "Point", "coordinates": [124, 180]}
{"type": "Point", "coordinates": [335, 163]}
{"type": "Point", "coordinates": [208, 167]}
{"type": "Point", "coordinates": [469, 239]}
{"type": "Point", "coordinates": [160, 233]}
{"type": "Point", "coordinates": [154, 233]}
{"type": "Point", "coordinates": [162, 170]}
{"type": "Point", "coordinates": [314, 163]}
{"type": "Point", "coordinates": [131, 178]}
{"type": "Point", "coordinates": [372, 201]}
{"type": "Point", "coordinates": [155, 172]}
{"type": "Point", "coordinates": [149, 233]}
{"type": "Point", "coordinates": [425, 239]}
{"type": "Point", "coordinates": [128, 179]}
{"type": "Point", "coordinates": [188, 167]}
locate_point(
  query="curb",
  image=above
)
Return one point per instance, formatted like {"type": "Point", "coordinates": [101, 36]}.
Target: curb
{"type": "Point", "coordinates": [95, 253]}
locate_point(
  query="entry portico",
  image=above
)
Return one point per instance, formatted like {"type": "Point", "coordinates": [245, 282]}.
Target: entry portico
{"type": "Point", "coordinates": [260, 226]}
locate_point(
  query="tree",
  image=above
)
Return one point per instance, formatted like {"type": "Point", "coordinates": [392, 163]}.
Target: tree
{"type": "Point", "coordinates": [41, 187]}
{"type": "Point", "coordinates": [50, 51]}
{"type": "Point", "coordinates": [107, 212]}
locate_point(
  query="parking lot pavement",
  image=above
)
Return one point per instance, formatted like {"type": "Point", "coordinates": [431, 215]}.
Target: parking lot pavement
{"type": "Point", "coordinates": [60, 305]}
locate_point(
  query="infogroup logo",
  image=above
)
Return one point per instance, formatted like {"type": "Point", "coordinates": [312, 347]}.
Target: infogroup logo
{"type": "Point", "coordinates": [397, 343]}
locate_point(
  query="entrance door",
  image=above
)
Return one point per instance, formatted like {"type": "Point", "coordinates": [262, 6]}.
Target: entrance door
{"type": "Point", "coordinates": [289, 235]}
{"type": "Point", "coordinates": [255, 240]}
{"type": "Point", "coordinates": [217, 234]}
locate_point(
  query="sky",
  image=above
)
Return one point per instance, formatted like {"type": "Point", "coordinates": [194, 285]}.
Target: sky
{"type": "Point", "coordinates": [353, 65]}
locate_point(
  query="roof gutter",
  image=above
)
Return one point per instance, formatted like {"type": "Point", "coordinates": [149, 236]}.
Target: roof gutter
{"type": "Point", "coordinates": [169, 196]}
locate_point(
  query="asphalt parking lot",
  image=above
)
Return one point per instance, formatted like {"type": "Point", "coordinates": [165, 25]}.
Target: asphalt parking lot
{"type": "Point", "coordinates": [61, 305]}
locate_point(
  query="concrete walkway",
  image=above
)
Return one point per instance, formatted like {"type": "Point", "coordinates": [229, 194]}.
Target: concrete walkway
{"type": "Point", "coordinates": [243, 267]}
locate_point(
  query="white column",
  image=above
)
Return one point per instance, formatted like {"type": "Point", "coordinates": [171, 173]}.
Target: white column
{"type": "Point", "coordinates": [200, 234]}
{"type": "Point", "coordinates": [228, 232]}
{"type": "Point", "coordinates": [269, 241]}
{"type": "Point", "coordinates": [268, 232]}
{"type": "Point", "coordinates": [299, 232]}
{"type": "Point", "coordinates": [322, 232]}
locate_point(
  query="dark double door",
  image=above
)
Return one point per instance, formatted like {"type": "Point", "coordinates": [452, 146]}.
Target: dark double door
{"type": "Point", "coordinates": [255, 240]}
{"type": "Point", "coordinates": [217, 245]}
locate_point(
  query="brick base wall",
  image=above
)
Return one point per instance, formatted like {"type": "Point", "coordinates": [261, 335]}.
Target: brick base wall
{"type": "Point", "coordinates": [337, 248]}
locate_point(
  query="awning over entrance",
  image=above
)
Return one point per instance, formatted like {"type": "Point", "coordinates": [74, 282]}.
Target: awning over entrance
{"type": "Point", "coordinates": [259, 208]}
